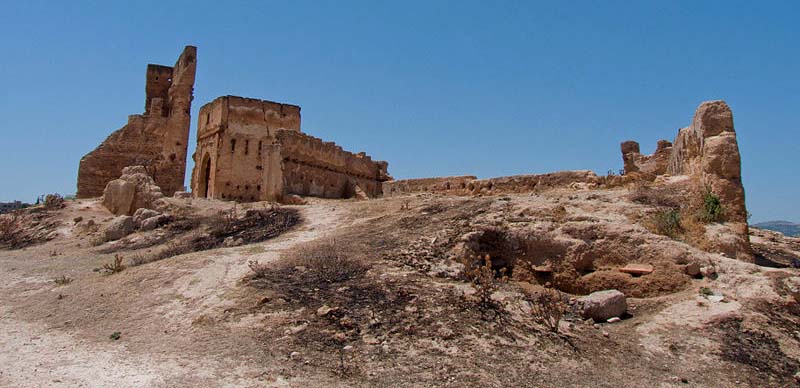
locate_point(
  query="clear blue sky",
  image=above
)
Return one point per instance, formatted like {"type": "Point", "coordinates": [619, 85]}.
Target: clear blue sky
{"type": "Point", "coordinates": [433, 87]}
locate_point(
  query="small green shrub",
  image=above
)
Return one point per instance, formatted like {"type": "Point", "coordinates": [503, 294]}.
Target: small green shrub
{"type": "Point", "coordinates": [712, 209]}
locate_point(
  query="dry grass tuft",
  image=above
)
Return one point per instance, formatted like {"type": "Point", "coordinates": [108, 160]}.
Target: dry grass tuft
{"type": "Point", "coordinates": [62, 280]}
{"type": "Point", "coordinates": [316, 266]}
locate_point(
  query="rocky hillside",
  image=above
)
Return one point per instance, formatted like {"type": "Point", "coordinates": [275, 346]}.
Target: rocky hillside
{"type": "Point", "coordinates": [788, 228]}
{"type": "Point", "coordinates": [418, 290]}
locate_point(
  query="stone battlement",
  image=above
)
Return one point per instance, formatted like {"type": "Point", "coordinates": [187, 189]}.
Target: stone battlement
{"type": "Point", "coordinates": [306, 149]}
{"type": "Point", "coordinates": [247, 116]}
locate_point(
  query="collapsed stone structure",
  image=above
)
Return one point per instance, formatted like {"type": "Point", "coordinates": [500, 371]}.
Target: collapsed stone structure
{"type": "Point", "coordinates": [157, 139]}
{"type": "Point", "coordinates": [253, 150]}
{"type": "Point", "coordinates": [708, 153]}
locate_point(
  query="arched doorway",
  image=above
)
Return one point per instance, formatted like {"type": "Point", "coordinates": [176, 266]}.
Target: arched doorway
{"type": "Point", "coordinates": [205, 177]}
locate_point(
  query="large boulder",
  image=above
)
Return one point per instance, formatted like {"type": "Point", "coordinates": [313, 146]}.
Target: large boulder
{"type": "Point", "coordinates": [118, 196]}
{"type": "Point", "coordinates": [602, 305]}
{"type": "Point", "coordinates": [118, 228]}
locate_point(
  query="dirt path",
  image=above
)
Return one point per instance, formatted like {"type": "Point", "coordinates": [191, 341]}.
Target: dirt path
{"type": "Point", "coordinates": [36, 354]}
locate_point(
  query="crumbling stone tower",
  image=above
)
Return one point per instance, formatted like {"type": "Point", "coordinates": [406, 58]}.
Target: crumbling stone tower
{"type": "Point", "coordinates": [157, 139]}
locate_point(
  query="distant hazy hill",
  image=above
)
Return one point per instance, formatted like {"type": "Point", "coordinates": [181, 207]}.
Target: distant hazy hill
{"type": "Point", "coordinates": [785, 227]}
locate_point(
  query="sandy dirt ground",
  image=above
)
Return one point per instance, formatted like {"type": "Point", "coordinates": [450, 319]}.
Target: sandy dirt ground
{"type": "Point", "coordinates": [42, 355]}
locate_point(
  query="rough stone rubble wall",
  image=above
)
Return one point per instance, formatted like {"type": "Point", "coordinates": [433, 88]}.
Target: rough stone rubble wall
{"type": "Point", "coordinates": [655, 164]}
{"type": "Point", "coordinates": [468, 185]}
{"type": "Point", "coordinates": [323, 169]}
{"type": "Point", "coordinates": [157, 139]}
{"type": "Point", "coordinates": [444, 185]}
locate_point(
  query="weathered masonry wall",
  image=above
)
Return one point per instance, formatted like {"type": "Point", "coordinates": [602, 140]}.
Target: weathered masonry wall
{"type": "Point", "coordinates": [323, 169]}
{"type": "Point", "coordinates": [157, 139]}
{"type": "Point", "coordinates": [467, 185]}
{"type": "Point", "coordinates": [251, 150]}
{"type": "Point", "coordinates": [233, 134]}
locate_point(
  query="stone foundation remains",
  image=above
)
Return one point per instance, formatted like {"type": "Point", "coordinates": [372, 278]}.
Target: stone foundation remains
{"type": "Point", "coordinates": [157, 139]}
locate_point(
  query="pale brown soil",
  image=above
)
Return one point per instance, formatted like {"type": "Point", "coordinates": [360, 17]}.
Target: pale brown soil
{"type": "Point", "coordinates": [199, 320]}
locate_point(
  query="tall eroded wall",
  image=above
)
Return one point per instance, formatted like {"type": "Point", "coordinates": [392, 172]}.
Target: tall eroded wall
{"type": "Point", "coordinates": [708, 152]}
{"type": "Point", "coordinates": [157, 139]}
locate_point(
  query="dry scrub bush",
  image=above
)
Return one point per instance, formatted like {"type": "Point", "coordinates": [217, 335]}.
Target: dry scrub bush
{"type": "Point", "coordinates": [327, 263]}
{"type": "Point", "coordinates": [254, 226]}
{"type": "Point", "coordinates": [9, 229]}
{"type": "Point", "coordinates": [487, 281]}
{"type": "Point", "coordinates": [641, 192]}
{"type": "Point", "coordinates": [547, 308]}
{"type": "Point", "coordinates": [115, 266]}
{"type": "Point", "coordinates": [667, 223]}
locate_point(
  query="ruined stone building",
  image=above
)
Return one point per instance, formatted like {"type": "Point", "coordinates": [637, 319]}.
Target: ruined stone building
{"type": "Point", "coordinates": [156, 139]}
{"type": "Point", "coordinates": [253, 150]}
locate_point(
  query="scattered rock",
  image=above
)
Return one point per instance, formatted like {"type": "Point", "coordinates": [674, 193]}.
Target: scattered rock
{"type": "Point", "coordinates": [231, 241]}
{"type": "Point", "coordinates": [294, 355]}
{"type": "Point", "coordinates": [709, 272]}
{"type": "Point", "coordinates": [369, 340]}
{"type": "Point", "coordinates": [613, 320]}
{"type": "Point", "coordinates": [602, 305]}
{"type": "Point", "coordinates": [118, 228]}
{"type": "Point", "coordinates": [637, 269]}
{"type": "Point", "coordinates": [692, 269]}
{"type": "Point", "coordinates": [140, 215]}
{"type": "Point", "coordinates": [325, 310]}
{"type": "Point", "coordinates": [154, 222]}
{"type": "Point", "coordinates": [295, 329]}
